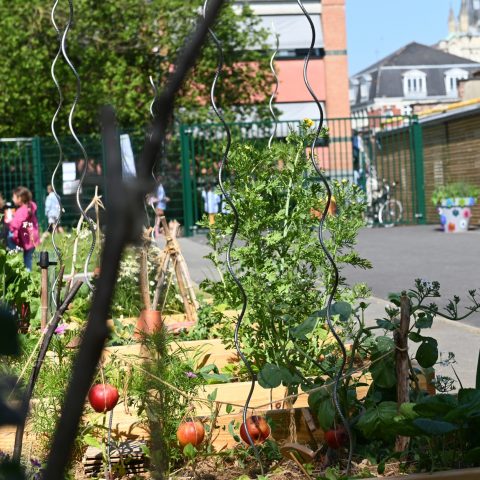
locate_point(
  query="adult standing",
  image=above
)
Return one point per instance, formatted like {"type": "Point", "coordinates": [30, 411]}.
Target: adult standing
{"type": "Point", "coordinates": [211, 203]}
{"type": "Point", "coordinates": [159, 200]}
{"type": "Point", "coordinates": [23, 228]}
{"type": "Point", "coordinates": [52, 209]}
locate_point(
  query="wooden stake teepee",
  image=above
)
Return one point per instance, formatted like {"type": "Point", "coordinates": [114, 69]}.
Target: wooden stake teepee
{"type": "Point", "coordinates": [172, 265]}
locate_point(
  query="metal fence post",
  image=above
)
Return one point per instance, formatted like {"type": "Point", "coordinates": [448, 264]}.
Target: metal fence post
{"type": "Point", "coordinates": [39, 183]}
{"type": "Point", "coordinates": [416, 136]}
{"type": "Point", "coordinates": [185, 133]}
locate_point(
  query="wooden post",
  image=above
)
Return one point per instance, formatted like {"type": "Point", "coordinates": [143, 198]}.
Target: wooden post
{"type": "Point", "coordinates": [144, 286]}
{"type": "Point", "coordinates": [44, 263]}
{"type": "Point", "coordinates": [400, 337]}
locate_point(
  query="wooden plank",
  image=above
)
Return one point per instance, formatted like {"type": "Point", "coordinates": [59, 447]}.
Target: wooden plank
{"type": "Point", "coordinates": [202, 352]}
{"type": "Point", "coordinates": [466, 474]}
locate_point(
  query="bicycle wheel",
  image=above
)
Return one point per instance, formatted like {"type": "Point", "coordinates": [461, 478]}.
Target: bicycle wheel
{"type": "Point", "coordinates": [390, 213]}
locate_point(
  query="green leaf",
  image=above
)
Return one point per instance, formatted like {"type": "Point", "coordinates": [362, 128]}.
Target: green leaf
{"type": "Point", "coordinates": [386, 324]}
{"type": "Point", "coordinates": [145, 450]}
{"type": "Point", "coordinates": [331, 474]}
{"type": "Point", "coordinates": [427, 353]}
{"type": "Point", "coordinates": [434, 427]}
{"type": "Point", "coordinates": [407, 410]}
{"type": "Point", "coordinates": [189, 451]}
{"type": "Point", "coordinates": [272, 376]}
{"type": "Point", "coordinates": [229, 408]}
{"type": "Point", "coordinates": [385, 344]}
{"type": "Point", "coordinates": [394, 298]}
{"type": "Point", "coordinates": [231, 430]}
{"type": "Point", "coordinates": [415, 337]}
{"type": "Point", "coordinates": [92, 441]}
{"type": "Point", "coordinates": [373, 422]}
{"type": "Point", "coordinates": [424, 320]}
{"type": "Point", "coordinates": [437, 405]}
{"type": "Point", "coordinates": [383, 373]}
{"type": "Point", "coordinates": [211, 397]}
{"type": "Point", "coordinates": [302, 330]}
{"type": "Point", "coordinates": [326, 413]}
{"type": "Point", "coordinates": [216, 378]}
{"type": "Point", "coordinates": [211, 367]}
{"type": "Point", "coordinates": [343, 309]}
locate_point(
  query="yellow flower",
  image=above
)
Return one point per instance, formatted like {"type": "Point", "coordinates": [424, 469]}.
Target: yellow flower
{"type": "Point", "coordinates": [308, 122]}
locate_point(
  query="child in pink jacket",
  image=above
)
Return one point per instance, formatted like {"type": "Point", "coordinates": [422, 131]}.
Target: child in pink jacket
{"type": "Point", "coordinates": [23, 228]}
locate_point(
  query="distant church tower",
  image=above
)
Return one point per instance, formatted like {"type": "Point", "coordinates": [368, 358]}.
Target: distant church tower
{"type": "Point", "coordinates": [463, 19]}
{"type": "Point", "coordinates": [464, 32]}
{"type": "Point", "coordinates": [452, 22]}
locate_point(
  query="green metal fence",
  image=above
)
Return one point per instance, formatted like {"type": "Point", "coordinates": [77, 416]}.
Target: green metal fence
{"type": "Point", "coordinates": [364, 150]}
{"type": "Point", "coordinates": [19, 165]}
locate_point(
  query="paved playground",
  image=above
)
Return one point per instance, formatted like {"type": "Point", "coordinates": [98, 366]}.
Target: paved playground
{"type": "Point", "coordinates": [399, 255]}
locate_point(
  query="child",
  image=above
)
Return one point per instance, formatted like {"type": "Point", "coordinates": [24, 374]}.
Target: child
{"type": "Point", "coordinates": [211, 203]}
{"type": "Point", "coordinates": [23, 228]}
{"type": "Point", "coordinates": [52, 209]}
{"type": "Point", "coordinates": [159, 200]}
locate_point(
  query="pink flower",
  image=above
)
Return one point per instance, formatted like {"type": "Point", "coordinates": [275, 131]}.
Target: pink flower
{"type": "Point", "coordinates": [61, 329]}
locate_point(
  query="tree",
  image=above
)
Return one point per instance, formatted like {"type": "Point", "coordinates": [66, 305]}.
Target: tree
{"type": "Point", "coordinates": [115, 46]}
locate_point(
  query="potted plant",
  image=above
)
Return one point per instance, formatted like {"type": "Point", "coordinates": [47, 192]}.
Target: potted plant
{"type": "Point", "coordinates": [454, 202]}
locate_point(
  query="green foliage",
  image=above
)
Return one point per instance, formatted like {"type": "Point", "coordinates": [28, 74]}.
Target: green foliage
{"type": "Point", "coordinates": [454, 190]}
{"type": "Point", "coordinates": [50, 390]}
{"type": "Point", "coordinates": [155, 392]}
{"type": "Point", "coordinates": [115, 46]}
{"type": "Point", "coordinates": [442, 427]}
{"type": "Point", "coordinates": [284, 271]}
{"type": "Point", "coordinates": [18, 286]}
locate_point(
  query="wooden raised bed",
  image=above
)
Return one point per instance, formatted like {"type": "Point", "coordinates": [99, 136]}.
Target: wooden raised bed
{"type": "Point", "coordinates": [286, 419]}
{"type": "Point", "coordinates": [465, 474]}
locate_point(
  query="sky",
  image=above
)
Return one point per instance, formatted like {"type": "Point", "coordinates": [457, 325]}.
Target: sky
{"type": "Point", "coordinates": [376, 28]}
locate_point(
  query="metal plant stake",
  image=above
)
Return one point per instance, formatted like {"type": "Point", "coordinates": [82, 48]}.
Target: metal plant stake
{"type": "Point", "coordinates": [89, 221]}
{"type": "Point", "coordinates": [227, 197]}
{"type": "Point", "coordinates": [321, 227]}
{"type": "Point", "coordinates": [123, 226]}
{"type": "Point", "coordinates": [275, 91]}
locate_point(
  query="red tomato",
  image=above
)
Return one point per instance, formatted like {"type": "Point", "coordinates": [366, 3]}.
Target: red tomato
{"type": "Point", "coordinates": [103, 397]}
{"type": "Point", "coordinates": [190, 432]}
{"type": "Point", "coordinates": [336, 438]}
{"type": "Point", "coordinates": [257, 427]}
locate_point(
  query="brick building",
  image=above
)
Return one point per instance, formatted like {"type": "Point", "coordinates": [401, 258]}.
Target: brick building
{"type": "Point", "coordinates": [328, 71]}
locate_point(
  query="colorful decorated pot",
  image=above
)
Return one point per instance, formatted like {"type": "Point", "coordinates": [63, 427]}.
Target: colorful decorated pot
{"type": "Point", "coordinates": [455, 214]}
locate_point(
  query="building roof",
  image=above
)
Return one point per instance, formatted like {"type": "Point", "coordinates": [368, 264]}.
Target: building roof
{"type": "Point", "coordinates": [385, 78]}
{"type": "Point", "coordinates": [415, 54]}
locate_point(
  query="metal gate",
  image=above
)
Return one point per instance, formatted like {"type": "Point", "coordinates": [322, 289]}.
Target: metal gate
{"type": "Point", "coordinates": [369, 151]}
{"type": "Point", "coordinates": [20, 166]}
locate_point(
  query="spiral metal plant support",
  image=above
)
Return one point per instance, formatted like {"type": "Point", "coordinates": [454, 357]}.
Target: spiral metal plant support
{"type": "Point", "coordinates": [58, 253]}
{"type": "Point", "coordinates": [89, 221]}
{"type": "Point", "coordinates": [321, 227]}
{"type": "Point", "coordinates": [152, 114]}
{"type": "Point", "coordinates": [275, 91]}
{"type": "Point", "coordinates": [227, 197]}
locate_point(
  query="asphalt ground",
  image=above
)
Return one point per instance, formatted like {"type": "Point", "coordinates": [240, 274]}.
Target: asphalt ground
{"type": "Point", "coordinates": [399, 255]}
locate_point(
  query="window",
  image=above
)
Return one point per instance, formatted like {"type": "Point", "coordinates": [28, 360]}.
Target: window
{"type": "Point", "coordinates": [451, 81]}
{"type": "Point", "coordinates": [407, 110]}
{"type": "Point", "coordinates": [415, 84]}
{"type": "Point", "coordinates": [365, 83]}
{"type": "Point", "coordinates": [353, 90]}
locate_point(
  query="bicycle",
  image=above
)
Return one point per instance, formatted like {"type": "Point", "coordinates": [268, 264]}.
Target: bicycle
{"type": "Point", "coordinates": [383, 208]}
